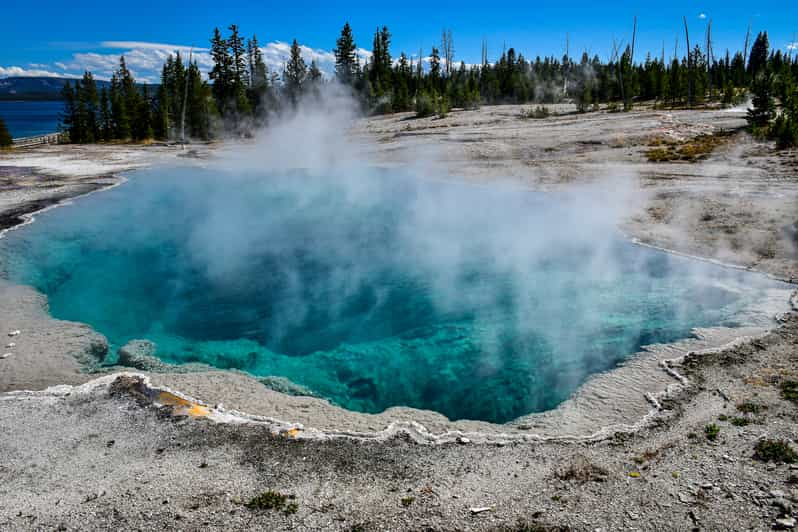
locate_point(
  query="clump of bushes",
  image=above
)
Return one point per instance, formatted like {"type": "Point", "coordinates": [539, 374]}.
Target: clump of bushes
{"type": "Point", "coordinates": [750, 408]}
{"type": "Point", "coordinates": [537, 113]}
{"type": "Point", "coordinates": [692, 150]}
{"type": "Point", "coordinates": [778, 451]}
{"type": "Point", "coordinates": [789, 391]}
{"type": "Point", "coordinates": [429, 104]}
{"type": "Point", "coordinates": [711, 431]}
{"type": "Point", "coordinates": [273, 500]}
{"type": "Point", "coordinates": [582, 470]}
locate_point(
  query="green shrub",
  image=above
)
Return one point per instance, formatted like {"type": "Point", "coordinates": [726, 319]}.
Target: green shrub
{"type": "Point", "coordinates": [425, 105]}
{"type": "Point", "coordinates": [750, 408]}
{"type": "Point", "coordinates": [789, 391]}
{"type": "Point", "coordinates": [778, 451]}
{"type": "Point", "coordinates": [273, 500]}
{"type": "Point", "coordinates": [711, 431]}
{"type": "Point", "coordinates": [537, 113]}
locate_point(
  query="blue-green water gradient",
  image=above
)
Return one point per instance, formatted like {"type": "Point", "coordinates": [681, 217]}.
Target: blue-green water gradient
{"type": "Point", "coordinates": [372, 291]}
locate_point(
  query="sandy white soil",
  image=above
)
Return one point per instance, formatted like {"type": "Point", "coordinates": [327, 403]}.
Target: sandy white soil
{"type": "Point", "coordinates": [105, 456]}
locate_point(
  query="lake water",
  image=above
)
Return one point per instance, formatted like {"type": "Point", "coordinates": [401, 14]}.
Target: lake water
{"type": "Point", "coordinates": [26, 119]}
{"type": "Point", "coordinates": [476, 302]}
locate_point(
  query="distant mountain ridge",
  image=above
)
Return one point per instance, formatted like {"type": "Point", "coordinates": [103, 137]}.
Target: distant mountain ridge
{"type": "Point", "coordinates": [38, 88]}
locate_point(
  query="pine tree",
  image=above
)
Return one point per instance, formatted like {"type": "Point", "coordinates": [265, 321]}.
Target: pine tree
{"type": "Point", "coordinates": [295, 74]}
{"type": "Point", "coordinates": [346, 56]}
{"type": "Point", "coordinates": [88, 104]}
{"type": "Point", "coordinates": [758, 59]}
{"type": "Point", "coordinates": [240, 77]}
{"type": "Point", "coordinates": [106, 119]}
{"type": "Point", "coordinates": [5, 136]}
{"type": "Point", "coordinates": [68, 118]}
{"type": "Point", "coordinates": [198, 113]}
{"type": "Point", "coordinates": [762, 106]}
{"type": "Point", "coordinates": [221, 74]}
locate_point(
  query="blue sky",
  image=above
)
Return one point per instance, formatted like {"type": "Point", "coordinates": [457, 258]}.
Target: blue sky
{"type": "Point", "coordinates": [66, 37]}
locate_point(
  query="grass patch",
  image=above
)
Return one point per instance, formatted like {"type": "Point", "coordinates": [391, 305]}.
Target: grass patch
{"type": "Point", "coordinates": [698, 148]}
{"type": "Point", "coordinates": [711, 432]}
{"type": "Point", "coordinates": [274, 500]}
{"type": "Point", "coordinates": [581, 470]}
{"type": "Point", "coordinates": [740, 421]}
{"type": "Point", "coordinates": [789, 391]}
{"type": "Point", "coordinates": [778, 451]}
{"type": "Point", "coordinates": [751, 408]}
{"type": "Point", "coordinates": [407, 501]}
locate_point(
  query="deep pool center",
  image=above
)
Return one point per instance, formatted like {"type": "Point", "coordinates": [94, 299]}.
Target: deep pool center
{"type": "Point", "coordinates": [372, 289]}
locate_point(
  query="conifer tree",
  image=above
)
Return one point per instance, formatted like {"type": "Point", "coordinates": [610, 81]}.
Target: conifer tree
{"type": "Point", "coordinates": [68, 118]}
{"type": "Point", "coordinates": [5, 136]}
{"type": "Point", "coordinates": [106, 119]}
{"type": "Point", "coordinates": [221, 74]}
{"type": "Point", "coordinates": [295, 74]}
{"type": "Point", "coordinates": [758, 59]}
{"type": "Point", "coordinates": [346, 57]}
{"type": "Point", "coordinates": [762, 106]}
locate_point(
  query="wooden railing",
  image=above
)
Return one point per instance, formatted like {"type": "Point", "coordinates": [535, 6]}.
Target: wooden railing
{"type": "Point", "coordinates": [49, 138]}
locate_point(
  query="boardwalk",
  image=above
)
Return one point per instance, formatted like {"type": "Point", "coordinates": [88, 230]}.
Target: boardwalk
{"type": "Point", "coordinates": [49, 138]}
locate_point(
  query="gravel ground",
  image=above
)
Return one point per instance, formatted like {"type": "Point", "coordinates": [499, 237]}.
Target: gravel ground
{"type": "Point", "coordinates": [115, 453]}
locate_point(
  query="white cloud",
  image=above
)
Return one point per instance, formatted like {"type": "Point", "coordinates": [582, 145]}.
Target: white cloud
{"type": "Point", "coordinates": [139, 45]}
{"type": "Point", "coordinates": [145, 60]}
{"type": "Point", "coordinates": [702, 16]}
{"type": "Point", "coordinates": [16, 71]}
{"type": "Point", "coordinates": [792, 46]}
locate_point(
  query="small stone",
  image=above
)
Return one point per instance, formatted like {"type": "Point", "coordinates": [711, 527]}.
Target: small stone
{"type": "Point", "coordinates": [11, 345]}
{"type": "Point", "coordinates": [462, 440]}
{"type": "Point", "coordinates": [784, 523]}
{"type": "Point", "coordinates": [707, 485]}
{"type": "Point", "coordinates": [784, 505]}
{"type": "Point", "coordinates": [14, 333]}
{"type": "Point", "coordinates": [4, 356]}
{"type": "Point", "coordinates": [777, 494]}
{"type": "Point", "coordinates": [480, 510]}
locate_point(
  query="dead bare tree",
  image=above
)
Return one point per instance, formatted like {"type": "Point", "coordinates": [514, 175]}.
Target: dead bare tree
{"type": "Point", "coordinates": [745, 48]}
{"type": "Point", "coordinates": [709, 57]}
{"type": "Point", "coordinates": [689, 66]}
{"type": "Point", "coordinates": [447, 47]}
{"type": "Point", "coordinates": [614, 60]}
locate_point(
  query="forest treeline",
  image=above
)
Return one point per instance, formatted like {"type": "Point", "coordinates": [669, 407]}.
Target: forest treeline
{"type": "Point", "coordinates": [242, 92]}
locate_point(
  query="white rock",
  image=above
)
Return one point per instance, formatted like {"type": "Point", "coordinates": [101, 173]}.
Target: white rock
{"type": "Point", "coordinates": [778, 494]}
{"type": "Point", "coordinates": [784, 523]}
{"type": "Point", "coordinates": [14, 333]}
{"type": "Point", "coordinates": [11, 345]}
{"type": "Point", "coordinates": [4, 356]}
{"type": "Point", "coordinates": [463, 440]}
{"type": "Point", "coordinates": [480, 510]}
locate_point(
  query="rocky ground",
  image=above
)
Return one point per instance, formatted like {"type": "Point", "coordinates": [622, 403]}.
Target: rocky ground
{"type": "Point", "coordinates": [120, 452]}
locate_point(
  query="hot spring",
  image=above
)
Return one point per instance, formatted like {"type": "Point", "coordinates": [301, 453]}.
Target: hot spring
{"type": "Point", "coordinates": [374, 290]}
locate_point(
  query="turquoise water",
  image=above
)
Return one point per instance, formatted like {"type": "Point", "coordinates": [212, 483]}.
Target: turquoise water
{"type": "Point", "coordinates": [30, 118]}
{"type": "Point", "coordinates": [372, 291]}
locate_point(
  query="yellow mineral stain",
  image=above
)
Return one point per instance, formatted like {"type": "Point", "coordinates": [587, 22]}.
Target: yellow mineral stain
{"type": "Point", "coordinates": [292, 433]}
{"type": "Point", "coordinates": [182, 406]}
